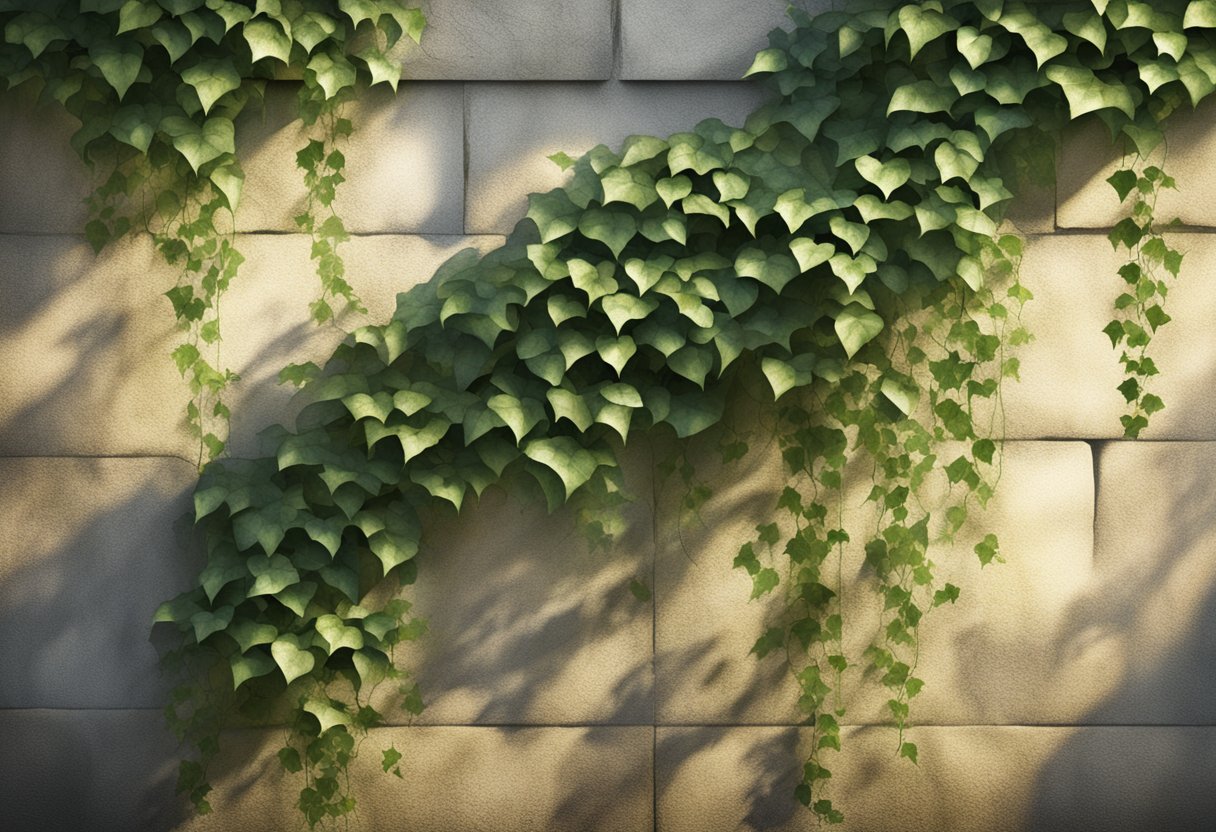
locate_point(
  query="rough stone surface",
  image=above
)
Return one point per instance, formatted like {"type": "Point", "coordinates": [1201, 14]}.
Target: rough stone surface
{"type": "Point", "coordinates": [1152, 605]}
{"type": "Point", "coordinates": [91, 548]}
{"type": "Point", "coordinates": [527, 624]}
{"type": "Point", "coordinates": [1088, 157]}
{"type": "Point", "coordinates": [698, 40]}
{"type": "Point", "coordinates": [99, 334]}
{"type": "Point", "coordinates": [485, 40]}
{"type": "Point", "coordinates": [512, 128]}
{"type": "Point", "coordinates": [404, 163]}
{"type": "Point", "coordinates": [994, 657]}
{"type": "Point", "coordinates": [999, 779]}
{"type": "Point", "coordinates": [114, 771]}
{"type": "Point", "coordinates": [1070, 372]}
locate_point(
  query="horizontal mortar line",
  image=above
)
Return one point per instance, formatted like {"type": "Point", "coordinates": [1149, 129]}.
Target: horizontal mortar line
{"type": "Point", "coordinates": [1103, 230]}
{"type": "Point", "coordinates": [714, 725]}
{"type": "Point", "coordinates": [4, 456]}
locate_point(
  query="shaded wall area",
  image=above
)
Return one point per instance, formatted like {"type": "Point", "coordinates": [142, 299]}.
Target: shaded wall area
{"type": "Point", "coordinates": [1070, 688]}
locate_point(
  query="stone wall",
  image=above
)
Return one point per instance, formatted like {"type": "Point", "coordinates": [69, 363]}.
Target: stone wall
{"type": "Point", "coordinates": [1071, 688]}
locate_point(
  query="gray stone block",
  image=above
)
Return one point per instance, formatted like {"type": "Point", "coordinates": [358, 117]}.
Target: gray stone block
{"type": "Point", "coordinates": [404, 163]}
{"type": "Point", "coordinates": [512, 128]}
{"type": "Point", "coordinates": [484, 40]}
{"type": "Point", "coordinates": [999, 779]}
{"type": "Point", "coordinates": [1088, 157]}
{"type": "Point", "coordinates": [87, 338]}
{"type": "Point", "coordinates": [991, 658]}
{"type": "Point", "coordinates": [698, 40]}
{"type": "Point", "coordinates": [91, 548]}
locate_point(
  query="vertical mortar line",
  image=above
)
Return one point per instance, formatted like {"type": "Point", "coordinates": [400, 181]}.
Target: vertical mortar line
{"type": "Point", "coordinates": [614, 10]}
{"type": "Point", "coordinates": [1095, 449]}
{"type": "Point", "coordinates": [464, 149]}
{"type": "Point", "coordinates": [654, 640]}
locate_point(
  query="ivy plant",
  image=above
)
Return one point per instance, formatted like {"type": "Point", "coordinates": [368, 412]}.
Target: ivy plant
{"type": "Point", "coordinates": [843, 246]}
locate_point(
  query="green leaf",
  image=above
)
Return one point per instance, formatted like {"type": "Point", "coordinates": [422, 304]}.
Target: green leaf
{"type": "Point", "coordinates": [337, 634]}
{"type": "Point", "coordinates": [856, 326]}
{"type": "Point", "coordinates": [573, 463]}
{"type": "Point", "coordinates": [267, 39]}
{"type": "Point", "coordinates": [1200, 14]}
{"type": "Point", "coordinates": [764, 582]}
{"type": "Point", "coordinates": [773, 270]}
{"type": "Point", "coordinates": [390, 759]}
{"type": "Point", "coordinates": [1151, 404]}
{"type": "Point", "coordinates": [119, 62]}
{"type": "Point", "coordinates": [886, 176]}
{"type": "Point", "coordinates": [209, 622]}
{"type": "Point", "coordinates": [200, 145]}
{"type": "Point", "coordinates": [292, 657]}
{"type": "Point", "coordinates": [809, 253]}
{"type": "Point", "coordinates": [1124, 182]}
{"type": "Point", "coordinates": [272, 574]}
{"type": "Point", "coordinates": [326, 714]}
{"type": "Point", "coordinates": [211, 80]}
{"type": "Point", "coordinates": [289, 759]}
{"type": "Point", "coordinates": [1087, 93]}
{"type": "Point", "coordinates": [249, 666]}
{"type": "Point", "coordinates": [922, 97]}
{"type": "Point", "coordinates": [137, 14]}
{"type": "Point", "coordinates": [768, 60]}
{"type": "Point", "coordinates": [612, 228]}
{"type": "Point", "coordinates": [908, 749]}
{"type": "Point", "coordinates": [639, 590]}
{"type": "Point", "coordinates": [332, 73]}
{"type": "Point", "coordinates": [631, 186]}
{"type": "Point", "coordinates": [901, 395]}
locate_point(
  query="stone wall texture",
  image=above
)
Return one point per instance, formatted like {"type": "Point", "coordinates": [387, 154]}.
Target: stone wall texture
{"type": "Point", "coordinates": [1071, 688]}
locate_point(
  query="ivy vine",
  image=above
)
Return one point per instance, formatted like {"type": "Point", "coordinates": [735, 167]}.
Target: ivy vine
{"type": "Point", "coordinates": [799, 249]}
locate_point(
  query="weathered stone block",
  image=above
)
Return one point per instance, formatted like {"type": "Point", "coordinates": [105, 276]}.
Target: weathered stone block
{"type": "Point", "coordinates": [91, 548]}
{"type": "Point", "coordinates": [1088, 157]}
{"type": "Point", "coordinates": [88, 338]}
{"type": "Point", "coordinates": [512, 128]}
{"type": "Point", "coordinates": [1152, 602]}
{"type": "Point", "coordinates": [698, 40]}
{"type": "Point", "coordinates": [991, 658]}
{"type": "Point", "coordinates": [527, 623]}
{"type": "Point", "coordinates": [1070, 372]}
{"type": "Point", "coordinates": [483, 40]}
{"type": "Point", "coordinates": [1004, 779]}
{"type": "Point", "coordinates": [404, 163]}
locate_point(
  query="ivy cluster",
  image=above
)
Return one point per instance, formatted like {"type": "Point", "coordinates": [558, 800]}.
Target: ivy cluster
{"type": "Point", "coordinates": [157, 86]}
{"type": "Point", "coordinates": [634, 297]}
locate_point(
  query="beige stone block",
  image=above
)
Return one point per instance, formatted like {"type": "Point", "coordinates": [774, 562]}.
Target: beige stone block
{"type": "Point", "coordinates": [91, 548]}
{"type": "Point", "coordinates": [1088, 157]}
{"type": "Point", "coordinates": [1152, 604]}
{"type": "Point", "coordinates": [698, 40]}
{"type": "Point", "coordinates": [998, 779]}
{"type": "Point", "coordinates": [1070, 372]}
{"type": "Point", "coordinates": [87, 339]}
{"type": "Point", "coordinates": [267, 323]}
{"type": "Point", "coordinates": [484, 40]}
{"type": "Point", "coordinates": [991, 658]}
{"type": "Point", "coordinates": [528, 624]}
{"type": "Point", "coordinates": [42, 180]}
{"type": "Point", "coordinates": [404, 163]}
{"type": "Point", "coordinates": [512, 128]}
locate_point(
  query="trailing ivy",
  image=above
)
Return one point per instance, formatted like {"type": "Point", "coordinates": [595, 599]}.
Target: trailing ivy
{"type": "Point", "coordinates": [670, 269]}
{"type": "Point", "coordinates": [157, 86]}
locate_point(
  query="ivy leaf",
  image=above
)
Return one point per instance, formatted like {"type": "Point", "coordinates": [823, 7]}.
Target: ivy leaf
{"type": "Point", "coordinates": [612, 228]}
{"type": "Point", "coordinates": [887, 176]}
{"type": "Point", "coordinates": [327, 715]}
{"type": "Point", "coordinates": [267, 39]}
{"type": "Point", "coordinates": [1086, 92]}
{"type": "Point", "coordinates": [573, 463]}
{"type": "Point", "coordinates": [773, 639]}
{"type": "Point", "coordinates": [249, 666]}
{"type": "Point", "coordinates": [767, 60]}
{"type": "Point", "coordinates": [764, 582]}
{"type": "Point", "coordinates": [773, 270]}
{"type": "Point", "coordinates": [211, 80]}
{"type": "Point", "coordinates": [119, 62]}
{"type": "Point", "coordinates": [390, 759]}
{"type": "Point", "coordinates": [922, 97]}
{"type": "Point", "coordinates": [673, 189]}
{"type": "Point", "coordinates": [272, 574]}
{"type": "Point", "coordinates": [1200, 14]}
{"type": "Point", "coordinates": [904, 397]}
{"type": "Point", "coordinates": [209, 622]}
{"type": "Point", "coordinates": [1124, 182]}
{"type": "Point", "coordinates": [908, 749]}
{"type": "Point", "coordinates": [200, 144]}
{"type": "Point", "coordinates": [337, 634]}
{"type": "Point", "coordinates": [856, 326]}
{"type": "Point", "coordinates": [292, 657]}
{"type": "Point", "coordinates": [137, 14]}
{"type": "Point", "coordinates": [289, 759]}
{"type": "Point", "coordinates": [332, 74]}
{"type": "Point", "coordinates": [809, 253]}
